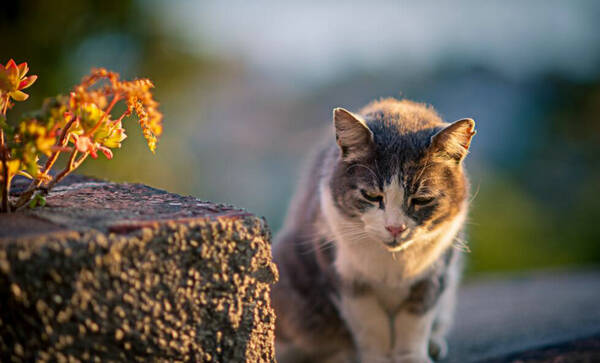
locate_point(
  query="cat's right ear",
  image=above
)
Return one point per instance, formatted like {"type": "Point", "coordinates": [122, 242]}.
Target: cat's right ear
{"type": "Point", "coordinates": [352, 134]}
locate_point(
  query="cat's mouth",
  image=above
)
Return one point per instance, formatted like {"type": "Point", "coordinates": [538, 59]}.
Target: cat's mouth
{"type": "Point", "coordinates": [397, 244]}
{"type": "Point", "coordinates": [400, 242]}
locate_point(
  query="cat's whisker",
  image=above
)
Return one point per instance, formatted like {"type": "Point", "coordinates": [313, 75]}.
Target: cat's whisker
{"type": "Point", "coordinates": [324, 246]}
{"type": "Point", "coordinates": [362, 166]}
{"type": "Point", "coordinates": [313, 246]}
{"type": "Point", "coordinates": [476, 193]}
{"type": "Point", "coordinates": [461, 245]}
{"type": "Point", "coordinates": [423, 169]}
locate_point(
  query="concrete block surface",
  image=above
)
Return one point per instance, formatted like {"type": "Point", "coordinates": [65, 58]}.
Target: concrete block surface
{"type": "Point", "coordinates": [125, 272]}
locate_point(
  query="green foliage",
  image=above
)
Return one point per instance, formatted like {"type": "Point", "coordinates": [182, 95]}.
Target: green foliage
{"type": "Point", "coordinates": [511, 232]}
{"type": "Point", "coordinates": [37, 200]}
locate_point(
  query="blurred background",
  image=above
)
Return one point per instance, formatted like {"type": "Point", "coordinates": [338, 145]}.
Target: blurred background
{"type": "Point", "coordinates": [248, 87]}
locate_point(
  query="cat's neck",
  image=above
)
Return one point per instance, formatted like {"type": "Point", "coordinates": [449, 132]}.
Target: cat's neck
{"type": "Point", "coordinates": [369, 261]}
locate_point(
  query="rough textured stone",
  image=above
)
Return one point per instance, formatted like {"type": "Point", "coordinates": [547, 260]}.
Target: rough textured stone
{"type": "Point", "coordinates": [125, 272]}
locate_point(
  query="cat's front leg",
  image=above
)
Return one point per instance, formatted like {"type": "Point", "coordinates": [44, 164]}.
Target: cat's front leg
{"type": "Point", "coordinates": [369, 325]}
{"type": "Point", "coordinates": [422, 321]}
{"type": "Point", "coordinates": [411, 337]}
{"type": "Point", "coordinates": [438, 347]}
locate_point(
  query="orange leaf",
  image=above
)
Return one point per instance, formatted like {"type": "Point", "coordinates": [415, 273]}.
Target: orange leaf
{"type": "Point", "coordinates": [23, 69]}
{"type": "Point", "coordinates": [12, 69]}
{"type": "Point", "coordinates": [106, 151]}
{"type": "Point", "coordinates": [19, 96]}
{"type": "Point", "coordinates": [11, 64]}
{"type": "Point", "coordinates": [26, 82]}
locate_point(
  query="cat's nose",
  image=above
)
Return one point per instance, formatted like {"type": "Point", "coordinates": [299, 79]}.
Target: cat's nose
{"type": "Point", "coordinates": [396, 230]}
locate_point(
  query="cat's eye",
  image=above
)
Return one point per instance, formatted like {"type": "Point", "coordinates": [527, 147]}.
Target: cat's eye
{"type": "Point", "coordinates": [421, 200]}
{"type": "Point", "coordinates": [371, 197]}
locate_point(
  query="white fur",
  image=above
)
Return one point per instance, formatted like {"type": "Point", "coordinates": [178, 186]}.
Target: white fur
{"type": "Point", "coordinates": [375, 219]}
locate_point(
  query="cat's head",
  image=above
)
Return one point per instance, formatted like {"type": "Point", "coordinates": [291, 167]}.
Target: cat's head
{"type": "Point", "coordinates": [399, 176]}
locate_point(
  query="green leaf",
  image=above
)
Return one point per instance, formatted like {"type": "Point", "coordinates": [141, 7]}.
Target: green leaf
{"type": "Point", "coordinates": [37, 200]}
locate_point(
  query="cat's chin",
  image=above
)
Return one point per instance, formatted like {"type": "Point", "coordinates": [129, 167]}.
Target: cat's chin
{"type": "Point", "coordinates": [397, 246]}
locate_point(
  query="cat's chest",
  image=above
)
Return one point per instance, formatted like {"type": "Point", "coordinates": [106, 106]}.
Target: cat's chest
{"type": "Point", "coordinates": [391, 297]}
{"type": "Point", "coordinates": [372, 265]}
{"type": "Point", "coordinates": [379, 275]}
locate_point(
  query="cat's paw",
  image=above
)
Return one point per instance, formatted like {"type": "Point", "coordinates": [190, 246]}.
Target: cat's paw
{"type": "Point", "coordinates": [438, 348]}
{"type": "Point", "coordinates": [369, 357]}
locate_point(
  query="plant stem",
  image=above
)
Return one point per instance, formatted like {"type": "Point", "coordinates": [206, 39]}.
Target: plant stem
{"type": "Point", "coordinates": [5, 207]}
{"type": "Point", "coordinates": [72, 165]}
{"type": "Point", "coordinates": [6, 101]}
{"type": "Point", "coordinates": [62, 141]}
{"type": "Point", "coordinates": [5, 179]}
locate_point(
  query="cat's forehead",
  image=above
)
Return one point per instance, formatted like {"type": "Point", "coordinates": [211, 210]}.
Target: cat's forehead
{"type": "Point", "coordinates": [396, 155]}
{"type": "Point", "coordinates": [399, 144]}
{"type": "Point", "coordinates": [386, 173]}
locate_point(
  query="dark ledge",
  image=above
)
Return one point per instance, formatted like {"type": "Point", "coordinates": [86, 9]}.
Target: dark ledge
{"type": "Point", "coordinates": [125, 272]}
{"type": "Point", "coordinates": [542, 316]}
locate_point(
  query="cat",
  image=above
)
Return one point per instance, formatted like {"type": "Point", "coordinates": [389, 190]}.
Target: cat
{"type": "Point", "coordinates": [368, 272]}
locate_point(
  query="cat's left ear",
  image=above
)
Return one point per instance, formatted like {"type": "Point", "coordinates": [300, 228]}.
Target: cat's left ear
{"type": "Point", "coordinates": [454, 141]}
